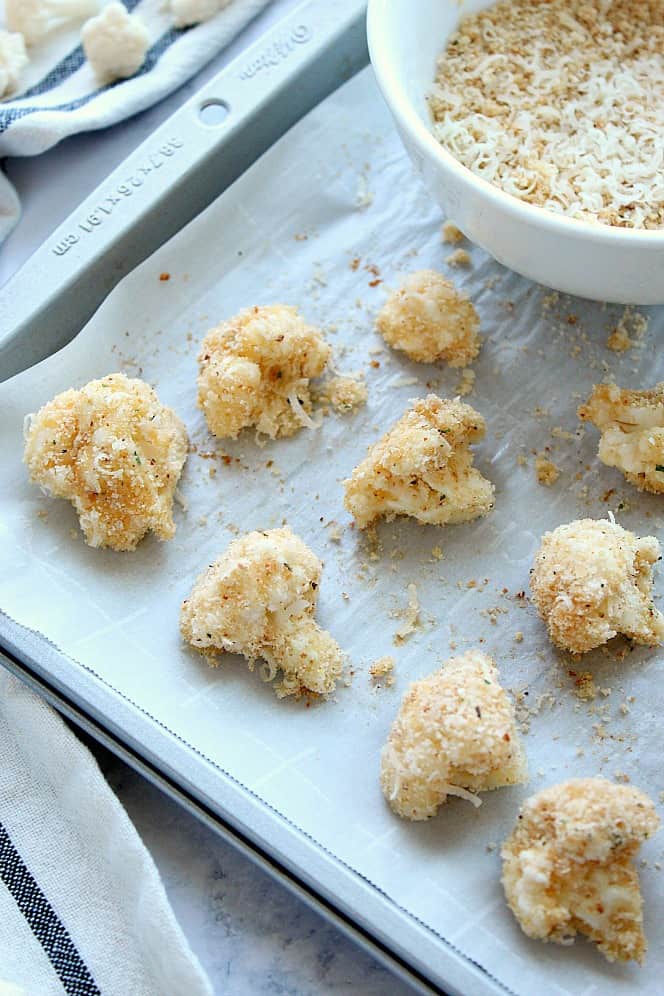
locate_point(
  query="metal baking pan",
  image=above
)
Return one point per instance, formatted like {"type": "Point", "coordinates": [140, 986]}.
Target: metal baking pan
{"type": "Point", "coordinates": [171, 177]}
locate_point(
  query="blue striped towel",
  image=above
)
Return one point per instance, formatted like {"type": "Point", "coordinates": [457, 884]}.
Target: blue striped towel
{"type": "Point", "coordinates": [61, 96]}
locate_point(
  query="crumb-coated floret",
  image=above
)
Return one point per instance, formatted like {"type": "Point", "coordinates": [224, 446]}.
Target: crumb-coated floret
{"type": "Point", "coordinates": [632, 428]}
{"type": "Point", "coordinates": [455, 734]}
{"type": "Point", "coordinates": [423, 468]}
{"type": "Point", "coordinates": [592, 580]}
{"type": "Point", "coordinates": [115, 452]}
{"type": "Point", "coordinates": [429, 319]}
{"type": "Point", "coordinates": [567, 865]}
{"type": "Point", "coordinates": [258, 599]}
{"type": "Point", "coordinates": [254, 370]}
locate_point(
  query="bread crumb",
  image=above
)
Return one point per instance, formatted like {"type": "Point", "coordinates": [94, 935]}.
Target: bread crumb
{"type": "Point", "coordinates": [460, 257]}
{"type": "Point", "coordinates": [628, 332]}
{"type": "Point", "coordinates": [466, 382]}
{"type": "Point", "coordinates": [451, 234]}
{"type": "Point", "coordinates": [383, 668]}
{"type": "Point", "coordinates": [584, 685]}
{"type": "Point", "coordinates": [342, 393]}
{"type": "Point", "coordinates": [411, 616]}
{"type": "Point", "coordinates": [518, 636]}
{"type": "Point", "coordinates": [547, 471]}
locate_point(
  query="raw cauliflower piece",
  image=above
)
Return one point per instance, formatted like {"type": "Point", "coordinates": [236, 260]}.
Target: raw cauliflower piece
{"type": "Point", "coordinates": [592, 579]}
{"type": "Point", "coordinates": [116, 453]}
{"type": "Point", "coordinates": [567, 865]}
{"type": "Point", "coordinates": [37, 19]}
{"type": "Point", "coordinates": [258, 599]}
{"type": "Point", "coordinates": [429, 319]}
{"type": "Point", "coordinates": [455, 734]}
{"type": "Point", "coordinates": [13, 60]}
{"type": "Point", "coordinates": [186, 12]}
{"type": "Point", "coordinates": [423, 468]}
{"type": "Point", "coordinates": [115, 43]}
{"type": "Point", "coordinates": [254, 370]}
{"type": "Point", "coordinates": [632, 427]}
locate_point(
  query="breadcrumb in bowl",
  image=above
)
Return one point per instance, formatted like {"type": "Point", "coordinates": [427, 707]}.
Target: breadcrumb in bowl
{"type": "Point", "coordinates": [429, 320]}
{"type": "Point", "coordinates": [258, 599]}
{"type": "Point", "coordinates": [455, 734]}
{"type": "Point", "coordinates": [592, 580]}
{"type": "Point", "coordinates": [567, 865]}
{"type": "Point", "coordinates": [115, 452]}
{"type": "Point", "coordinates": [423, 468]}
{"type": "Point", "coordinates": [632, 428]}
{"type": "Point", "coordinates": [254, 370]}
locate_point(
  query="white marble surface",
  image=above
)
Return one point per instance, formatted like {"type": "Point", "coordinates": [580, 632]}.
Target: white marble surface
{"type": "Point", "coordinates": [250, 934]}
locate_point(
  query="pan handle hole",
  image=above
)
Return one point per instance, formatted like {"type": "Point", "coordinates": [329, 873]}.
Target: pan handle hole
{"type": "Point", "coordinates": [213, 112]}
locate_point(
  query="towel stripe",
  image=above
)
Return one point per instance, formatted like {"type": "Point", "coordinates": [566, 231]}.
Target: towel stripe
{"type": "Point", "coordinates": [44, 922]}
{"type": "Point", "coordinates": [65, 68]}
{"type": "Point", "coordinates": [154, 53]}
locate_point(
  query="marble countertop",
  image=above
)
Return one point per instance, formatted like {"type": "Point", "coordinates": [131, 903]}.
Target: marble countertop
{"type": "Point", "coordinates": [251, 935]}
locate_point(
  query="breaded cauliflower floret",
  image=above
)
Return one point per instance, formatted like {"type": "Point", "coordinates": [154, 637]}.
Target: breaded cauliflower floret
{"type": "Point", "coordinates": [567, 865]}
{"type": "Point", "coordinates": [592, 579]}
{"type": "Point", "coordinates": [632, 427]}
{"type": "Point", "coordinates": [254, 370]}
{"type": "Point", "coordinates": [429, 319]}
{"type": "Point", "coordinates": [423, 468]}
{"type": "Point", "coordinates": [116, 453]}
{"type": "Point", "coordinates": [258, 600]}
{"type": "Point", "coordinates": [454, 735]}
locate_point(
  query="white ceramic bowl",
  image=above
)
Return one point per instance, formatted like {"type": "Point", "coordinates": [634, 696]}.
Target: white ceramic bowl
{"type": "Point", "coordinates": [595, 261]}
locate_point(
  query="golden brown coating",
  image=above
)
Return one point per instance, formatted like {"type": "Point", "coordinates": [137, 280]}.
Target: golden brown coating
{"type": "Point", "coordinates": [592, 579]}
{"type": "Point", "coordinates": [455, 734]}
{"type": "Point", "coordinates": [254, 370]}
{"type": "Point", "coordinates": [429, 319]}
{"type": "Point", "coordinates": [258, 599]}
{"type": "Point", "coordinates": [567, 865]}
{"type": "Point", "coordinates": [115, 452]}
{"type": "Point", "coordinates": [632, 427]}
{"type": "Point", "coordinates": [423, 467]}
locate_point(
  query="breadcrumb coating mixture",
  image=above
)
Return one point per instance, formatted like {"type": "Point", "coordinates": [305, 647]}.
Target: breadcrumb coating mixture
{"type": "Point", "coordinates": [258, 599]}
{"type": "Point", "coordinates": [567, 865]}
{"type": "Point", "coordinates": [343, 394]}
{"type": "Point", "coordinates": [429, 320]}
{"type": "Point", "coordinates": [592, 579]}
{"type": "Point", "coordinates": [561, 104]}
{"type": "Point", "coordinates": [254, 370]}
{"type": "Point", "coordinates": [632, 428]}
{"type": "Point", "coordinates": [116, 453]}
{"type": "Point", "coordinates": [455, 734]}
{"type": "Point", "coordinates": [423, 467]}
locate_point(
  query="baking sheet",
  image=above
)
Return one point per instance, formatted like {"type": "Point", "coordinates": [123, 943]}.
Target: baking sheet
{"type": "Point", "coordinates": [328, 220]}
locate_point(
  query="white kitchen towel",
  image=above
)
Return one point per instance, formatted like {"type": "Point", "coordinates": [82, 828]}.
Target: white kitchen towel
{"type": "Point", "coordinates": [60, 96]}
{"type": "Point", "coordinates": [82, 908]}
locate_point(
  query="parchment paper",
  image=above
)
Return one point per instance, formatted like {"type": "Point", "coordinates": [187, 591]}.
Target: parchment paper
{"type": "Point", "coordinates": [333, 209]}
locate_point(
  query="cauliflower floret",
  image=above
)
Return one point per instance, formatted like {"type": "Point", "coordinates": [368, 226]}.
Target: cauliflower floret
{"type": "Point", "coordinates": [115, 43]}
{"type": "Point", "coordinates": [186, 12]}
{"type": "Point", "coordinates": [592, 580]}
{"type": "Point", "coordinates": [423, 468]}
{"type": "Point", "coordinates": [455, 734]}
{"type": "Point", "coordinates": [429, 319]}
{"type": "Point", "coordinates": [36, 19]}
{"type": "Point", "coordinates": [258, 599]}
{"type": "Point", "coordinates": [632, 427]}
{"type": "Point", "coordinates": [567, 865]}
{"type": "Point", "coordinates": [116, 453]}
{"type": "Point", "coordinates": [254, 370]}
{"type": "Point", "coordinates": [13, 60]}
